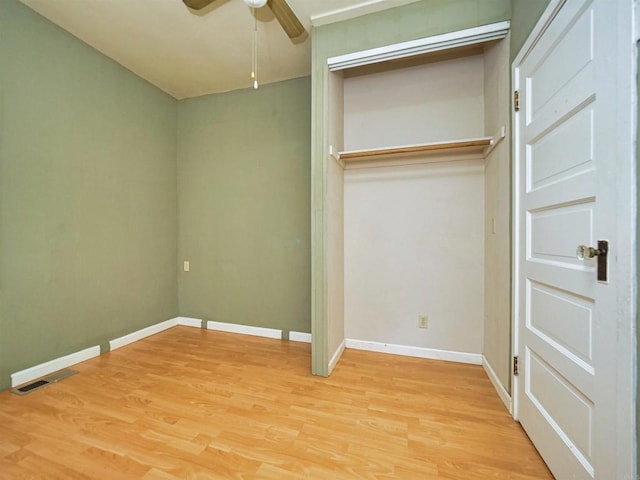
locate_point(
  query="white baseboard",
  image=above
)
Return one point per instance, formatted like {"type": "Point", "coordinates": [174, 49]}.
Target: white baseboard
{"type": "Point", "coordinates": [421, 352]}
{"type": "Point", "coordinates": [502, 392]}
{"type": "Point", "coordinates": [300, 337]}
{"type": "Point", "coordinates": [336, 356]}
{"type": "Point", "coordinates": [152, 330]}
{"type": "Point", "coordinates": [245, 329]}
{"type": "Point", "coordinates": [38, 371]}
{"type": "Point", "coordinates": [189, 322]}
{"type": "Point", "coordinates": [140, 334]}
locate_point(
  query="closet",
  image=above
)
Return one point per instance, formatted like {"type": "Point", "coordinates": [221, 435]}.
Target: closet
{"type": "Point", "coordinates": [417, 169]}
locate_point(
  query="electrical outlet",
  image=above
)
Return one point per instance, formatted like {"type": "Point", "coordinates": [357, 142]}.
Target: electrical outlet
{"type": "Point", "coordinates": [185, 265]}
{"type": "Point", "coordinates": [423, 321]}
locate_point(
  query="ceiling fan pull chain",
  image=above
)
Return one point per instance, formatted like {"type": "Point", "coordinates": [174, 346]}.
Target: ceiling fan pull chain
{"type": "Point", "coordinates": [254, 70]}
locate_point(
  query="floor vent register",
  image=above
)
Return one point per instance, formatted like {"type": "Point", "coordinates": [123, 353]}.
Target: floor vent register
{"type": "Point", "coordinates": [35, 385]}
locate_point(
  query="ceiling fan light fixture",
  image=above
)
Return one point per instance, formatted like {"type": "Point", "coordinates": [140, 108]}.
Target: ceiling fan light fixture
{"type": "Point", "coordinates": [256, 3]}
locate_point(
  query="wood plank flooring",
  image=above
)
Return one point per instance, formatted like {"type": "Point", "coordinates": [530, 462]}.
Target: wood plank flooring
{"type": "Point", "coordinates": [197, 404]}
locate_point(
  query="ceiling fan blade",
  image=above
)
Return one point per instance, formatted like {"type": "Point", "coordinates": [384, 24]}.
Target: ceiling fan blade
{"type": "Point", "coordinates": [197, 4]}
{"type": "Point", "coordinates": [286, 17]}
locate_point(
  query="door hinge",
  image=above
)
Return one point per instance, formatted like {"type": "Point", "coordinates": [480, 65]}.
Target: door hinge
{"type": "Point", "coordinates": [515, 365]}
{"type": "Point", "coordinates": [516, 101]}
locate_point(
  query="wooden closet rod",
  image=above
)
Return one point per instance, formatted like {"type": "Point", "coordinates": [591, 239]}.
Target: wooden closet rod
{"type": "Point", "coordinates": [425, 147]}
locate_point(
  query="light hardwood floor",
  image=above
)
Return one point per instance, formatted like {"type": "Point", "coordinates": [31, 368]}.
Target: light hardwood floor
{"type": "Point", "coordinates": [196, 404]}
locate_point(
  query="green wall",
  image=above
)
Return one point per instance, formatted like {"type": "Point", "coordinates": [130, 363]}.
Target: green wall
{"type": "Point", "coordinates": [409, 22]}
{"type": "Point", "coordinates": [243, 190]}
{"type": "Point", "coordinates": [89, 185]}
{"type": "Point", "coordinates": [524, 16]}
{"type": "Point", "coordinates": [87, 196]}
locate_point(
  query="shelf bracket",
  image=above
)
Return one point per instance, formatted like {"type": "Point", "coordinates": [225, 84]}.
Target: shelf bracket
{"type": "Point", "coordinates": [336, 156]}
{"type": "Point", "coordinates": [495, 140]}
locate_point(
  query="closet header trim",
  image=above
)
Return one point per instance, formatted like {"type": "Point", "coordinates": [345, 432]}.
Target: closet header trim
{"type": "Point", "coordinates": [460, 38]}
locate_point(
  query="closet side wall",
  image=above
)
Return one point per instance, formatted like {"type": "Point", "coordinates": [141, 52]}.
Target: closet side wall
{"type": "Point", "coordinates": [497, 328]}
{"type": "Point", "coordinates": [335, 222]}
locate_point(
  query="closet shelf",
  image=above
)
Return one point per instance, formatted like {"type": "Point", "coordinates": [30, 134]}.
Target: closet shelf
{"type": "Point", "coordinates": [472, 145]}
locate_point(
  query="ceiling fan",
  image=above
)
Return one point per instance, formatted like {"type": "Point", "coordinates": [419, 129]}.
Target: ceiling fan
{"type": "Point", "coordinates": [280, 9]}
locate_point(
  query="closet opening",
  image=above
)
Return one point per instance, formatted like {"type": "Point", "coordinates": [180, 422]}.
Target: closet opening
{"type": "Point", "coordinates": [417, 200]}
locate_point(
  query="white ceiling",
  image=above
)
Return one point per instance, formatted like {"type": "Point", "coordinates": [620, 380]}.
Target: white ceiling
{"type": "Point", "coordinates": [187, 54]}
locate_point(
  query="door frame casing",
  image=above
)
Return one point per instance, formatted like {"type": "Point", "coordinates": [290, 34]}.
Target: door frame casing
{"type": "Point", "coordinates": [624, 267]}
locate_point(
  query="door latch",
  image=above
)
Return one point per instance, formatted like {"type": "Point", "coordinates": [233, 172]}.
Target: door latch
{"type": "Point", "coordinates": [584, 252]}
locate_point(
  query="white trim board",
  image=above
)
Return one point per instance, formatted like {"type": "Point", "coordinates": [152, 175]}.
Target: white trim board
{"type": "Point", "coordinates": [420, 352]}
{"type": "Point", "coordinates": [500, 390]}
{"type": "Point", "coordinates": [140, 334]}
{"type": "Point", "coordinates": [245, 329]}
{"type": "Point", "coordinates": [300, 337]}
{"type": "Point", "coordinates": [435, 43]}
{"type": "Point", "coordinates": [38, 371]}
{"type": "Point", "coordinates": [189, 322]}
{"type": "Point", "coordinates": [353, 11]}
{"type": "Point", "coordinates": [335, 358]}
{"type": "Point", "coordinates": [152, 330]}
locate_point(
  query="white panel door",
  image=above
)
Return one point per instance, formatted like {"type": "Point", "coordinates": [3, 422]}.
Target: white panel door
{"type": "Point", "coordinates": [573, 187]}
